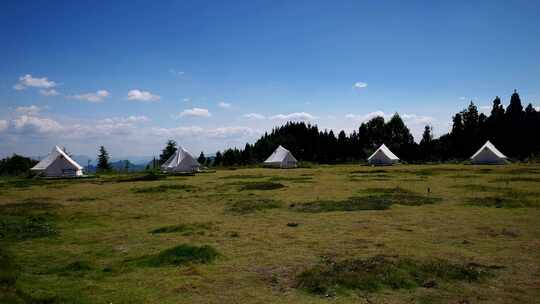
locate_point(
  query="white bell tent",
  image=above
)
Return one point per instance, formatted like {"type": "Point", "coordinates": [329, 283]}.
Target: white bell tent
{"type": "Point", "coordinates": [383, 156]}
{"type": "Point", "coordinates": [181, 161]}
{"type": "Point", "coordinates": [488, 154]}
{"type": "Point", "coordinates": [58, 164]}
{"type": "Point", "coordinates": [281, 158]}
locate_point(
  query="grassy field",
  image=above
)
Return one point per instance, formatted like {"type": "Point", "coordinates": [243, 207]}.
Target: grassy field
{"type": "Point", "coordinates": [327, 234]}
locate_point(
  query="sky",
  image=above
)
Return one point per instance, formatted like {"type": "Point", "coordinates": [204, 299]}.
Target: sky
{"type": "Point", "coordinates": [216, 74]}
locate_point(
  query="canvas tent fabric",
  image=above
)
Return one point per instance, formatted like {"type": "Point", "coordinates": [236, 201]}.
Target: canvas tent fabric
{"type": "Point", "coordinates": [281, 158]}
{"type": "Point", "coordinates": [383, 156]}
{"type": "Point", "coordinates": [488, 154]}
{"type": "Point", "coordinates": [58, 164]}
{"type": "Point", "coordinates": [181, 161]}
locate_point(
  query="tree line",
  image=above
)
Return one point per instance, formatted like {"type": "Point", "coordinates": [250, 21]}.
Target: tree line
{"type": "Point", "coordinates": [514, 130]}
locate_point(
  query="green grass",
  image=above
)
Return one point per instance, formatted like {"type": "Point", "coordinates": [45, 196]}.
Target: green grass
{"type": "Point", "coordinates": [381, 272]}
{"type": "Point", "coordinates": [396, 234]}
{"type": "Point", "coordinates": [27, 220]}
{"type": "Point", "coordinates": [377, 199]}
{"type": "Point", "coordinates": [163, 188]}
{"type": "Point", "coordinates": [252, 205]}
{"type": "Point", "coordinates": [184, 229]}
{"type": "Point", "coordinates": [180, 255]}
{"type": "Point", "coordinates": [261, 186]}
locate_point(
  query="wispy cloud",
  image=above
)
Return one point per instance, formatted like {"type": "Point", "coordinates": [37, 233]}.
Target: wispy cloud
{"type": "Point", "coordinates": [34, 124]}
{"type": "Point", "coordinates": [365, 117]}
{"type": "Point", "coordinates": [195, 112]}
{"type": "Point", "coordinates": [96, 97]}
{"type": "Point", "coordinates": [417, 119]}
{"type": "Point", "coordinates": [3, 125]}
{"type": "Point", "coordinates": [177, 73]}
{"type": "Point", "coordinates": [139, 95]}
{"type": "Point", "coordinates": [128, 119]}
{"type": "Point", "coordinates": [49, 92]}
{"type": "Point", "coordinates": [408, 118]}
{"type": "Point", "coordinates": [28, 80]}
{"type": "Point", "coordinates": [254, 116]}
{"type": "Point", "coordinates": [297, 116]}
{"type": "Point", "coordinates": [29, 110]}
{"type": "Point", "coordinates": [360, 85]}
{"type": "Point", "coordinates": [224, 105]}
{"type": "Point", "coordinates": [215, 133]}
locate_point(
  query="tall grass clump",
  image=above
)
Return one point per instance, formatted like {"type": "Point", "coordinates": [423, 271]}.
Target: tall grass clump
{"type": "Point", "coordinates": [381, 272]}
{"type": "Point", "coordinates": [180, 255]}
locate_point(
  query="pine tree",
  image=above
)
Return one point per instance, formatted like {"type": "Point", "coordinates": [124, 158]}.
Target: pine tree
{"type": "Point", "coordinates": [201, 158]}
{"type": "Point", "coordinates": [218, 159]}
{"type": "Point", "coordinates": [168, 151]}
{"type": "Point", "coordinates": [515, 108]}
{"type": "Point", "coordinates": [103, 160]}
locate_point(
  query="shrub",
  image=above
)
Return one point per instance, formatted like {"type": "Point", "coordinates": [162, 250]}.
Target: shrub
{"type": "Point", "coordinates": [252, 205]}
{"type": "Point", "coordinates": [381, 272]}
{"type": "Point", "coordinates": [180, 255]}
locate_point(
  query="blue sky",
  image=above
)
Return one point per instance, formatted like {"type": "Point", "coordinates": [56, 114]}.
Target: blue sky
{"type": "Point", "coordinates": [215, 74]}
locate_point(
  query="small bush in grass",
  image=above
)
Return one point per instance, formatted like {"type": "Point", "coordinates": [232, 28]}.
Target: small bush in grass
{"type": "Point", "coordinates": [150, 176]}
{"type": "Point", "coordinates": [252, 205]}
{"type": "Point", "coordinates": [242, 176]}
{"type": "Point", "coordinates": [185, 229]}
{"type": "Point", "coordinates": [83, 199]}
{"type": "Point", "coordinates": [378, 199]}
{"type": "Point", "coordinates": [294, 179]}
{"type": "Point", "coordinates": [381, 272]}
{"type": "Point", "coordinates": [8, 273]}
{"type": "Point", "coordinates": [163, 188]}
{"type": "Point", "coordinates": [506, 201]}
{"type": "Point", "coordinates": [74, 268]}
{"type": "Point", "coordinates": [518, 179]}
{"type": "Point", "coordinates": [181, 255]}
{"type": "Point", "coordinates": [27, 220]}
{"type": "Point", "coordinates": [350, 204]}
{"type": "Point", "coordinates": [261, 186]}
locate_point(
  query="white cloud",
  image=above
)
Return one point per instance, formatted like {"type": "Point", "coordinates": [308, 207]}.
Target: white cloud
{"type": "Point", "coordinates": [417, 119]}
{"type": "Point", "coordinates": [50, 92]}
{"type": "Point", "coordinates": [29, 81]}
{"type": "Point", "coordinates": [27, 123]}
{"type": "Point", "coordinates": [297, 116]}
{"type": "Point", "coordinates": [129, 119]}
{"type": "Point", "coordinates": [462, 98]}
{"type": "Point", "coordinates": [177, 73]}
{"type": "Point", "coordinates": [3, 125]}
{"type": "Point", "coordinates": [360, 85]}
{"type": "Point", "coordinates": [365, 117]}
{"type": "Point", "coordinates": [485, 109]}
{"type": "Point", "coordinates": [407, 118]}
{"type": "Point", "coordinates": [29, 110]}
{"type": "Point", "coordinates": [537, 108]}
{"type": "Point", "coordinates": [254, 116]}
{"type": "Point", "coordinates": [139, 95]}
{"type": "Point", "coordinates": [186, 99]}
{"type": "Point", "coordinates": [96, 97]}
{"type": "Point", "coordinates": [195, 112]}
{"type": "Point", "coordinates": [224, 105]}
{"type": "Point", "coordinates": [214, 133]}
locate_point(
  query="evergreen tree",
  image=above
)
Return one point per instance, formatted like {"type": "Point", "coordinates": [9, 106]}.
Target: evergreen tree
{"type": "Point", "coordinates": [218, 159]}
{"type": "Point", "coordinates": [16, 165]}
{"type": "Point", "coordinates": [515, 108]}
{"type": "Point", "coordinates": [168, 151]}
{"type": "Point", "coordinates": [103, 160]}
{"type": "Point", "coordinates": [201, 159]}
